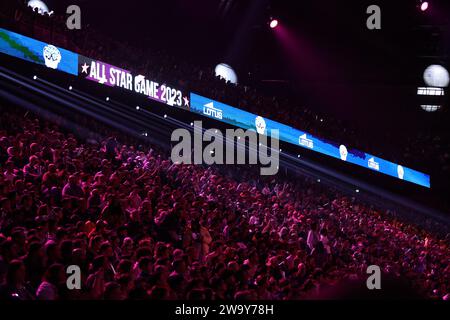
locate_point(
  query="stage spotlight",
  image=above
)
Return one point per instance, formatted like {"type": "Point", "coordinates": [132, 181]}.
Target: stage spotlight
{"type": "Point", "coordinates": [38, 6]}
{"type": "Point", "coordinates": [165, 116]}
{"type": "Point", "coordinates": [436, 76]}
{"type": "Point", "coordinates": [273, 24]}
{"type": "Point", "coordinates": [34, 77]}
{"type": "Point", "coordinates": [429, 91]}
{"type": "Point", "coordinates": [424, 5]}
{"type": "Point", "coordinates": [70, 88]}
{"type": "Point", "coordinates": [430, 108]}
{"type": "Point", "coordinates": [137, 107]}
{"type": "Point", "coordinates": [107, 98]}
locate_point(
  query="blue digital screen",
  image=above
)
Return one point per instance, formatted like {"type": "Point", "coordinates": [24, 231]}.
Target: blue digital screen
{"type": "Point", "coordinates": [246, 120]}
{"type": "Point", "coordinates": [39, 52]}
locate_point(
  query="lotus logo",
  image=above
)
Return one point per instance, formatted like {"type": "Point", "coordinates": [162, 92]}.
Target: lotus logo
{"type": "Point", "coordinates": [373, 164]}
{"type": "Point", "coordinates": [210, 110]}
{"type": "Point", "coordinates": [304, 141]}
{"type": "Point", "coordinates": [52, 56]}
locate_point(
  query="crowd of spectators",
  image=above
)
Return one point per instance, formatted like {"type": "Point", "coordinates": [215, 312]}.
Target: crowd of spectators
{"type": "Point", "coordinates": [140, 227]}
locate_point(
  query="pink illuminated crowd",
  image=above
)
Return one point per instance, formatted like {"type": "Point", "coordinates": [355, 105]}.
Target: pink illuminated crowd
{"type": "Point", "coordinates": [140, 227]}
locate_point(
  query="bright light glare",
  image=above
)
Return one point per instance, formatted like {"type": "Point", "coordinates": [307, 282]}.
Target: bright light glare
{"type": "Point", "coordinates": [436, 76]}
{"type": "Point", "coordinates": [226, 72]}
{"type": "Point", "coordinates": [430, 108]}
{"type": "Point", "coordinates": [40, 5]}
{"type": "Point", "coordinates": [424, 6]}
{"type": "Point", "coordinates": [274, 23]}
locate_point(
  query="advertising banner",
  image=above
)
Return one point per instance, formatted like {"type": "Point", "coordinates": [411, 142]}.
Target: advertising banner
{"type": "Point", "coordinates": [112, 76]}
{"type": "Point", "coordinates": [246, 120]}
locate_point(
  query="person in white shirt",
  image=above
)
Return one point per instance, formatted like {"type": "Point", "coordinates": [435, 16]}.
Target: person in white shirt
{"type": "Point", "coordinates": [313, 236]}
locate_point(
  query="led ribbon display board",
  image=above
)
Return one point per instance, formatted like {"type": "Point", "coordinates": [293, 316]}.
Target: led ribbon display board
{"type": "Point", "coordinates": [63, 60]}
{"type": "Point", "coordinates": [247, 120]}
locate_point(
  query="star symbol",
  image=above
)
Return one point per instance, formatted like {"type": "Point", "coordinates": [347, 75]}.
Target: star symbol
{"type": "Point", "coordinates": [186, 101]}
{"type": "Point", "coordinates": [85, 68]}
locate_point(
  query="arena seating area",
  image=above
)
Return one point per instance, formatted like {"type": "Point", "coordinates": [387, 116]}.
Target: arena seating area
{"type": "Point", "coordinates": [143, 228]}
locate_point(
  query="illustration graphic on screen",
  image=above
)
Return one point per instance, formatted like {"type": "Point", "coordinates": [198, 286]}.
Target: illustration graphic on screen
{"type": "Point", "coordinates": [260, 124]}
{"type": "Point", "coordinates": [52, 56]}
{"type": "Point", "coordinates": [343, 152]}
